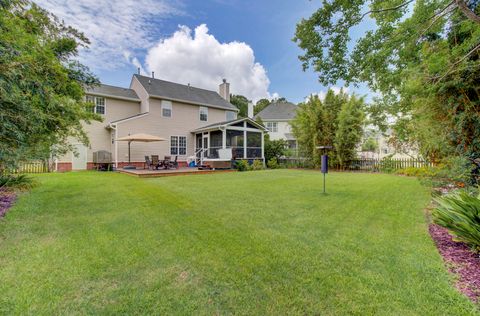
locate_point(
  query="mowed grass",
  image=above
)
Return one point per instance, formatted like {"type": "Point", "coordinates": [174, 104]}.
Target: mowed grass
{"type": "Point", "coordinates": [256, 243]}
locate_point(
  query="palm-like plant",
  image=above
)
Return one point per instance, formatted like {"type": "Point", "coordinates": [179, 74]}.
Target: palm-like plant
{"type": "Point", "coordinates": [460, 214]}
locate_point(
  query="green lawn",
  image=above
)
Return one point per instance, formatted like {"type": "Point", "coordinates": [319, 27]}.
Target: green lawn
{"type": "Point", "coordinates": [264, 242]}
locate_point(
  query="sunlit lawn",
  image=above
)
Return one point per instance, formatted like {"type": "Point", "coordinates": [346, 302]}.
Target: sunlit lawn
{"type": "Point", "coordinates": [264, 242]}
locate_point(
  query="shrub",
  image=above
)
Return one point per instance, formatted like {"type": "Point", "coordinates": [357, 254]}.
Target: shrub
{"type": "Point", "coordinates": [15, 181]}
{"type": "Point", "coordinates": [241, 165]}
{"type": "Point", "coordinates": [256, 165]}
{"type": "Point", "coordinates": [460, 214]}
{"type": "Point", "coordinates": [273, 163]}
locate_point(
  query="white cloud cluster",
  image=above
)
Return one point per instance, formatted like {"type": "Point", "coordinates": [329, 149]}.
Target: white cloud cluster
{"type": "Point", "coordinates": [201, 60]}
{"type": "Point", "coordinates": [115, 28]}
{"type": "Point", "coordinates": [322, 94]}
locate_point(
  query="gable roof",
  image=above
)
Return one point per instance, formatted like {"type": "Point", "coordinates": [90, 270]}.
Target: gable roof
{"type": "Point", "coordinates": [179, 92]}
{"type": "Point", "coordinates": [105, 90]}
{"type": "Point", "coordinates": [278, 111]}
{"type": "Point", "coordinates": [227, 123]}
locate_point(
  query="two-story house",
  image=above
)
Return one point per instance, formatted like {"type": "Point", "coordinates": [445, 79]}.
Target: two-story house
{"type": "Point", "coordinates": [277, 117]}
{"type": "Point", "coordinates": [190, 119]}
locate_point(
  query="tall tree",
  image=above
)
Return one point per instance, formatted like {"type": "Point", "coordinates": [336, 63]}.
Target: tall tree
{"type": "Point", "coordinates": [349, 129]}
{"type": "Point", "coordinates": [317, 123]}
{"type": "Point", "coordinates": [41, 85]}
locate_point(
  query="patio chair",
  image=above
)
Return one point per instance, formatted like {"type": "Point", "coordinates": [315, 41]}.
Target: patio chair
{"type": "Point", "coordinates": [147, 163]}
{"type": "Point", "coordinates": [173, 164]}
{"type": "Point", "coordinates": [166, 162]}
{"type": "Point", "coordinates": [155, 161]}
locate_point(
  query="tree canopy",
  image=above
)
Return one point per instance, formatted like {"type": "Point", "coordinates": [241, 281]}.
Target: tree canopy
{"type": "Point", "coordinates": [41, 84]}
{"type": "Point", "coordinates": [421, 58]}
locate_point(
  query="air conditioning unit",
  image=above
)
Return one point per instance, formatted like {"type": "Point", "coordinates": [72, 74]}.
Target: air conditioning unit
{"type": "Point", "coordinates": [102, 156]}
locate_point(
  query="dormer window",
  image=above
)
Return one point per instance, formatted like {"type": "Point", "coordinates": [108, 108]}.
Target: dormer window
{"type": "Point", "coordinates": [98, 104]}
{"type": "Point", "coordinates": [166, 108]}
{"type": "Point", "coordinates": [203, 114]}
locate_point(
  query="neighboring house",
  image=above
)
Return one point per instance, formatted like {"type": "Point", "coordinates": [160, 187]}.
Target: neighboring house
{"type": "Point", "coordinates": [195, 123]}
{"type": "Point", "coordinates": [277, 117]}
{"type": "Point", "coordinates": [385, 149]}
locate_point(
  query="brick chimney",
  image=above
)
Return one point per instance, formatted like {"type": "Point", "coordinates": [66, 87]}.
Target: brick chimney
{"type": "Point", "coordinates": [224, 90]}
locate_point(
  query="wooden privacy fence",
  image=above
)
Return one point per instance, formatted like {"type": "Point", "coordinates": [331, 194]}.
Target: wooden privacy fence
{"type": "Point", "coordinates": [363, 164]}
{"type": "Point", "coordinates": [36, 166]}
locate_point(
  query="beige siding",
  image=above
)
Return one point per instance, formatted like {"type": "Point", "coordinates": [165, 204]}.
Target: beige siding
{"type": "Point", "coordinates": [142, 94]}
{"type": "Point", "coordinates": [185, 118]}
{"type": "Point", "coordinates": [101, 138]}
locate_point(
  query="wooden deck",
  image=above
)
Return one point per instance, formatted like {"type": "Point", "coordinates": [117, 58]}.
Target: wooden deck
{"type": "Point", "coordinates": [145, 173]}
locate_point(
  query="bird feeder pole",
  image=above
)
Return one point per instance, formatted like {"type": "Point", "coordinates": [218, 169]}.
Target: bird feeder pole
{"type": "Point", "coordinates": [324, 166]}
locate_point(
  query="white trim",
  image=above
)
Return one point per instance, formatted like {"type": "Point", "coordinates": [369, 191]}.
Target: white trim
{"type": "Point", "coordinates": [112, 96]}
{"type": "Point", "coordinates": [249, 129]}
{"type": "Point", "coordinates": [130, 118]}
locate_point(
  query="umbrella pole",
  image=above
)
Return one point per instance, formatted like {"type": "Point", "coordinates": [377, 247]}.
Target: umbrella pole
{"type": "Point", "coordinates": [129, 153]}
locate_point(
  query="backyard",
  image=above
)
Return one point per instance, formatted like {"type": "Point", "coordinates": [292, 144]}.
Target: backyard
{"type": "Point", "coordinates": [264, 242]}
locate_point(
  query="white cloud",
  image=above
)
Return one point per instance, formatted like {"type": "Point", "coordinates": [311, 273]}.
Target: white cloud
{"type": "Point", "coordinates": [115, 28]}
{"type": "Point", "coordinates": [321, 95]}
{"type": "Point", "coordinates": [201, 60]}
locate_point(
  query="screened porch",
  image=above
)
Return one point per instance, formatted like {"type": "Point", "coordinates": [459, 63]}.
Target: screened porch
{"type": "Point", "coordinates": [237, 139]}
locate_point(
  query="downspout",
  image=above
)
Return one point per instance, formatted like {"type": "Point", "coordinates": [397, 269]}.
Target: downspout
{"type": "Point", "coordinates": [114, 127]}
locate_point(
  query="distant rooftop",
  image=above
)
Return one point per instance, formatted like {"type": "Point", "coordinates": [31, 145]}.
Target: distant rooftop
{"type": "Point", "coordinates": [175, 91]}
{"type": "Point", "coordinates": [278, 111]}
{"type": "Point", "coordinates": [112, 91]}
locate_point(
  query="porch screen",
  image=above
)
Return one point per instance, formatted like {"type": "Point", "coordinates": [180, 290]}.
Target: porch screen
{"type": "Point", "coordinates": [254, 145]}
{"type": "Point", "coordinates": [216, 138]}
{"type": "Point", "coordinates": [235, 141]}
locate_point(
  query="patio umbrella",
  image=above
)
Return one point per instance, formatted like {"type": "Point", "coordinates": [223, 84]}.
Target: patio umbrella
{"type": "Point", "coordinates": [141, 137]}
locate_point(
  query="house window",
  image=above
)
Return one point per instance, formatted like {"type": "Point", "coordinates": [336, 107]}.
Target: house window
{"type": "Point", "coordinates": [203, 114]}
{"type": "Point", "coordinates": [98, 104]}
{"type": "Point", "coordinates": [178, 145]}
{"type": "Point", "coordinates": [230, 115]}
{"type": "Point", "coordinates": [166, 109]}
{"type": "Point", "coordinates": [272, 126]}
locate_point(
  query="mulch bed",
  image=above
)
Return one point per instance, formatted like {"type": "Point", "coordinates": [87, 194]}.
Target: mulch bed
{"type": "Point", "coordinates": [6, 200]}
{"type": "Point", "coordinates": [460, 260]}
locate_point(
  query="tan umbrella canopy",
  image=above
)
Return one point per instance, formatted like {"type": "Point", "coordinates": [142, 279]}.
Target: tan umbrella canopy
{"type": "Point", "coordinates": [141, 137]}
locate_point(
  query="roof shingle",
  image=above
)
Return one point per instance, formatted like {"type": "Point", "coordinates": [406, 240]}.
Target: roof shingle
{"type": "Point", "coordinates": [107, 90]}
{"type": "Point", "coordinates": [278, 111]}
{"type": "Point", "coordinates": [175, 91]}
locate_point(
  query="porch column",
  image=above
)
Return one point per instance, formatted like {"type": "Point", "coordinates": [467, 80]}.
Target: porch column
{"type": "Point", "coordinates": [263, 153]}
{"type": "Point", "coordinates": [116, 148]}
{"type": "Point", "coordinates": [224, 138]}
{"type": "Point", "coordinates": [245, 144]}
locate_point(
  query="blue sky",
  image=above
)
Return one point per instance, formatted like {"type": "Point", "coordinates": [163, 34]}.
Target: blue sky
{"type": "Point", "coordinates": [128, 34]}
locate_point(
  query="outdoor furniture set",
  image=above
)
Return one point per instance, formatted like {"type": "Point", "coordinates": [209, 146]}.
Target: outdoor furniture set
{"type": "Point", "coordinates": [155, 162]}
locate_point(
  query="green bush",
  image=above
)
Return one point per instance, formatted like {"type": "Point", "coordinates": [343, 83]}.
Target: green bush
{"type": "Point", "coordinates": [460, 214]}
{"type": "Point", "coordinates": [21, 181]}
{"type": "Point", "coordinates": [241, 165]}
{"type": "Point", "coordinates": [273, 163]}
{"type": "Point", "coordinates": [421, 172]}
{"type": "Point", "coordinates": [257, 165]}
